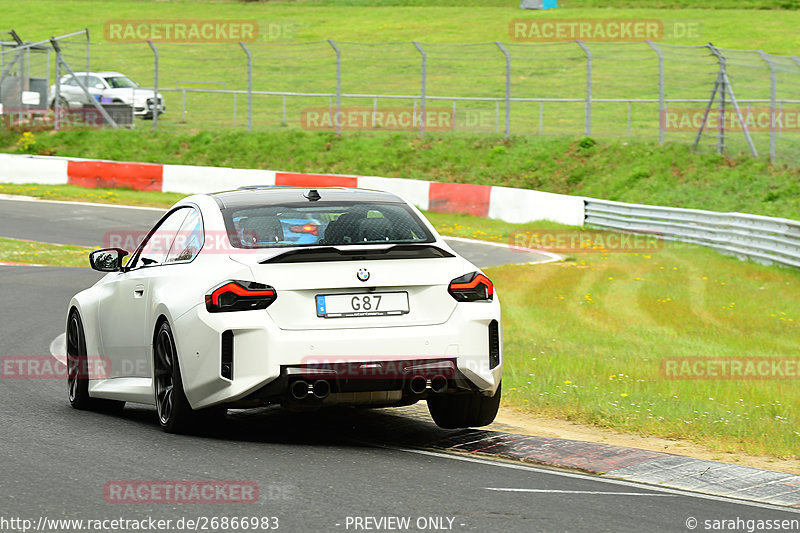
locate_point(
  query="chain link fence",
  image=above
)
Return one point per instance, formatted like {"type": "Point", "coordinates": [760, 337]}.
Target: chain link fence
{"type": "Point", "coordinates": [650, 91]}
{"type": "Point", "coordinates": [27, 70]}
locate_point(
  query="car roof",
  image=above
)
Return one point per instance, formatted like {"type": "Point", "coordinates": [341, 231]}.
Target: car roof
{"type": "Point", "coordinates": [101, 74]}
{"type": "Point", "coordinates": [270, 195]}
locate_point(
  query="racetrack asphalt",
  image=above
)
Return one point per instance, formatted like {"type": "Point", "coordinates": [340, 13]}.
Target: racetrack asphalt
{"type": "Point", "coordinates": [314, 471]}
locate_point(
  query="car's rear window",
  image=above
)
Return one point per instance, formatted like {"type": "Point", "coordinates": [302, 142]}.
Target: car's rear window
{"type": "Point", "coordinates": [324, 224]}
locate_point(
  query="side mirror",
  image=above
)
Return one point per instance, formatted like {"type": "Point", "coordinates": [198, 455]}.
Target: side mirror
{"type": "Point", "coordinates": [107, 260]}
{"type": "Point", "coordinates": [99, 86]}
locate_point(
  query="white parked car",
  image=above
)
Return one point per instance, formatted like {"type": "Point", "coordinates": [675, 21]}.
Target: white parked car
{"type": "Point", "coordinates": [223, 306]}
{"type": "Point", "coordinates": [112, 87]}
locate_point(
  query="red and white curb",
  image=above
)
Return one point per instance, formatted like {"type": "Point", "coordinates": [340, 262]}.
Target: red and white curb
{"type": "Point", "coordinates": [502, 203]}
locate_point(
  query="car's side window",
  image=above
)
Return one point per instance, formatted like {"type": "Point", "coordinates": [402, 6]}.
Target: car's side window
{"type": "Point", "coordinates": [154, 249]}
{"type": "Point", "coordinates": [94, 81]}
{"type": "Point", "coordinates": [189, 240]}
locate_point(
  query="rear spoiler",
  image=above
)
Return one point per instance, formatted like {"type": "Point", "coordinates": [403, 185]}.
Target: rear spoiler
{"type": "Point", "coordinates": [318, 254]}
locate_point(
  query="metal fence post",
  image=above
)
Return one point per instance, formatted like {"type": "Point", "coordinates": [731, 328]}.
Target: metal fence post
{"type": "Point", "coordinates": [87, 51]}
{"type": "Point", "coordinates": [25, 75]}
{"type": "Point", "coordinates": [507, 131]}
{"type": "Point", "coordinates": [48, 67]}
{"type": "Point", "coordinates": [155, 84]}
{"type": "Point", "coordinates": [726, 86]}
{"type": "Point", "coordinates": [773, 83]}
{"type": "Point", "coordinates": [422, 87]}
{"type": "Point", "coordinates": [661, 104]}
{"type": "Point", "coordinates": [59, 60]}
{"type": "Point", "coordinates": [588, 111]}
{"type": "Point", "coordinates": [57, 97]}
{"type": "Point", "coordinates": [249, 86]}
{"type": "Point", "coordinates": [338, 118]}
{"type": "Point", "coordinates": [541, 117]}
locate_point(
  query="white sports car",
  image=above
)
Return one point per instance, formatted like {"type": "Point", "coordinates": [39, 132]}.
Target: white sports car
{"type": "Point", "coordinates": [307, 298]}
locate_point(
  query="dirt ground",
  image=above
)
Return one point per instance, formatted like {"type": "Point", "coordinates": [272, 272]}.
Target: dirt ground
{"type": "Point", "coordinates": [515, 421]}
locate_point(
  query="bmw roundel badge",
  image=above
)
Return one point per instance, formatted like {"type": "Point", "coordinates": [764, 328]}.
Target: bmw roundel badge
{"type": "Point", "coordinates": [362, 274]}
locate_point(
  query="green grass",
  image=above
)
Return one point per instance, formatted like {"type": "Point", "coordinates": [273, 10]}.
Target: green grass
{"type": "Point", "coordinates": [299, 59]}
{"type": "Point", "coordinates": [37, 253]}
{"type": "Point", "coordinates": [683, 4]}
{"type": "Point", "coordinates": [738, 23]}
{"type": "Point", "coordinates": [630, 171]}
{"type": "Point", "coordinates": [585, 341]}
{"type": "Point", "coordinates": [101, 196]}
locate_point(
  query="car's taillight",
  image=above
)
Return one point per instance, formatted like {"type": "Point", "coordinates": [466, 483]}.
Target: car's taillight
{"type": "Point", "coordinates": [305, 228]}
{"type": "Point", "coordinates": [472, 287]}
{"type": "Point", "coordinates": [240, 296]}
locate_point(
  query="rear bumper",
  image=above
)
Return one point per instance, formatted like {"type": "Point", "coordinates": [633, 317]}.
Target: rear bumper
{"type": "Point", "coordinates": [376, 383]}
{"type": "Point", "coordinates": [377, 363]}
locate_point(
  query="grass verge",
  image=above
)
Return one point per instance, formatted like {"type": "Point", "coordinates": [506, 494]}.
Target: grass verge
{"type": "Point", "coordinates": [72, 193]}
{"type": "Point", "coordinates": [39, 253]}
{"type": "Point", "coordinates": [588, 341]}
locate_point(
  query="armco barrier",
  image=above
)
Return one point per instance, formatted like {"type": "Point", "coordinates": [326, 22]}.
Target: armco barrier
{"type": "Point", "coordinates": [763, 239]}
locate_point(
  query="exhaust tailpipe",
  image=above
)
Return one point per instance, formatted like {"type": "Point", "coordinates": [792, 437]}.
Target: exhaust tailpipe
{"type": "Point", "coordinates": [321, 389]}
{"type": "Point", "coordinates": [418, 384]}
{"type": "Point", "coordinates": [438, 384]}
{"type": "Point", "coordinates": [299, 389]}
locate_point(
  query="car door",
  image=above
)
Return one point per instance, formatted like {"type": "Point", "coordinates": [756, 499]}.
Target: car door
{"type": "Point", "coordinates": [96, 86]}
{"type": "Point", "coordinates": [127, 300]}
{"type": "Point", "coordinates": [69, 90]}
{"type": "Point", "coordinates": [76, 90]}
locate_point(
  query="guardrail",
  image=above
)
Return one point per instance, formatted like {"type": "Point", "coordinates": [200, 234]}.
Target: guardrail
{"type": "Point", "coordinates": [763, 239]}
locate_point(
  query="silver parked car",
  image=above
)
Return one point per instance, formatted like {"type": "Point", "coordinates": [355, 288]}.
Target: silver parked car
{"type": "Point", "coordinates": [106, 87]}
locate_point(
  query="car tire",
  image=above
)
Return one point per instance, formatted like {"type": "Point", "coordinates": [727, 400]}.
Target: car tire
{"type": "Point", "coordinates": [77, 370]}
{"type": "Point", "coordinates": [454, 411]}
{"type": "Point", "coordinates": [62, 104]}
{"type": "Point", "coordinates": [175, 414]}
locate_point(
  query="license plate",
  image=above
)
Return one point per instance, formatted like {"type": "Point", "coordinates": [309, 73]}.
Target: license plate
{"type": "Point", "coordinates": [362, 304]}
